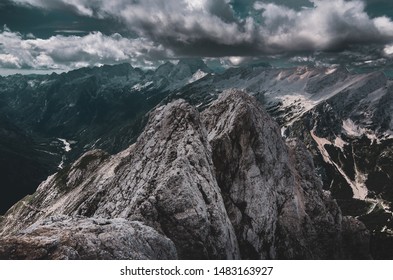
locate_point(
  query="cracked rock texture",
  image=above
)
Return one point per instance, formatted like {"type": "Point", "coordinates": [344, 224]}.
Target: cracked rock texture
{"type": "Point", "coordinates": [80, 238]}
{"type": "Point", "coordinates": [223, 185]}
{"type": "Point", "coordinates": [272, 195]}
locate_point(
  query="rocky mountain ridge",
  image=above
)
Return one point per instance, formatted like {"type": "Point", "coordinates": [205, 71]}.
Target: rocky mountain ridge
{"type": "Point", "coordinates": [61, 116]}
{"type": "Point", "coordinates": [343, 118]}
{"type": "Point", "coordinates": [217, 185]}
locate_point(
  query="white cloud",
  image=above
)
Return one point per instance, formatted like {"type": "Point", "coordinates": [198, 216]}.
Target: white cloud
{"type": "Point", "coordinates": [68, 52]}
{"type": "Point", "coordinates": [328, 25]}
{"type": "Point", "coordinates": [210, 28]}
{"type": "Point", "coordinates": [9, 61]}
{"type": "Point", "coordinates": [170, 21]}
{"type": "Point", "coordinates": [388, 50]}
{"type": "Point", "coordinates": [83, 7]}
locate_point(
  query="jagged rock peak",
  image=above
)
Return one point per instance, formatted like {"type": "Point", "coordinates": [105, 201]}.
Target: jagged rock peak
{"type": "Point", "coordinates": [269, 189]}
{"type": "Point", "coordinates": [166, 180]}
{"type": "Point", "coordinates": [220, 185]}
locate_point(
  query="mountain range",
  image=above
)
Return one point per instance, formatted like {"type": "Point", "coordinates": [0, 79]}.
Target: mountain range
{"type": "Point", "coordinates": [299, 167]}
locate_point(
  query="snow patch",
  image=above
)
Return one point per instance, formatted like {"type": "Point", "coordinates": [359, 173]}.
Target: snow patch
{"type": "Point", "coordinates": [297, 104]}
{"type": "Point", "coordinates": [373, 138]}
{"type": "Point", "coordinates": [66, 148]}
{"type": "Point", "coordinates": [67, 145]}
{"type": "Point", "coordinates": [360, 183]}
{"type": "Point", "coordinates": [282, 75]}
{"type": "Point", "coordinates": [61, 164]}
{"type": "Point", "coordinates": [32, 83]}
{"type": "Point", "coordinates": [139, 87]}
{"type": "Point", "coordinates": [351, 129]}
{"type": "Point", "coordinates": [330, 71]}
{"type": "Point", "coordinates": [197, 76]}
{"type": "Point", "coordinates": [358, 187]}
{"type": "Point", "coordinates": [340, 143]}
{"type": "Point", "coordinates": [381, 203]}
{"type": "Point", "coordinates": [388, 135]}
{"type": "Point", "coordinates": [283, 131]}
{"type": "Point", "coordinates": [298, 99]}
{"type": "Point", "coordinates": [321, 142]}
{"type": "Point", "coordinates": [45, 82]}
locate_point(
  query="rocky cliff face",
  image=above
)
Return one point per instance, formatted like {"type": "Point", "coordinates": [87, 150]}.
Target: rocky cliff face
{"type": "Point", "coordinates": [220, 185]}
{"type": "Point", "coordinates": [343, 118]}
{"type": "Point", "coordinates": [60, 117]}
{"type": "Point", "coordinates": [64, 237]}
{"type": "Point", "coordinates": [270, 189]}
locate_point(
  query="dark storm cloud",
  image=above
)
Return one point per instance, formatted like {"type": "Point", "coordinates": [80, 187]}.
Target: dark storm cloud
{"type": "Point", "coordinates": [222, 10]}
{"type": "Point", "coordinates": [218, 28]}
{"type": "Point", "coordinates": [191, 28]}
{"type": "Point", "coordinates": [44, 23]}
{"type": "Point", "coordinates": [324, 25]}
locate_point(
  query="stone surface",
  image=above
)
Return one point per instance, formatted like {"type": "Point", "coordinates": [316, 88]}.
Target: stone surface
{"type": "Point", "coordinates": [165, 180]}
{"type": "Point", "coordinates": [223, 185]}
{"type": "Point", "coordinates": [270, 190]}
{"type": "Point", "coordinates": [62, 237]}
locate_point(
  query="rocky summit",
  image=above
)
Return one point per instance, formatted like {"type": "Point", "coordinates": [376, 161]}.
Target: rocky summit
{"type": "Point", "coordinates": [220, 184]}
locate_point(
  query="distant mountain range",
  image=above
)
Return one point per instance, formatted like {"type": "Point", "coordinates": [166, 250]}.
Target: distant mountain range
{"type": "Point", "coordinates": [343, 118]}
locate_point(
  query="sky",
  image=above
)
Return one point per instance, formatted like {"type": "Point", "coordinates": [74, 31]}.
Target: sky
{"type": "Point", "coordinates": [61, 35]}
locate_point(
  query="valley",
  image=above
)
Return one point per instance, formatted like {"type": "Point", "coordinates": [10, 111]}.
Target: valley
{"type": "Point", "coordinates": [343, 118]}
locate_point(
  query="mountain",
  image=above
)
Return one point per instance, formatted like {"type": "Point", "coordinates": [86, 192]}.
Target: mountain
{"type": "Point", "coordinates": [345, 121]}
{"type": "Point", "coordinates": [59, 117]}
{"type": "Point", "coordinates": [221, 184]}
{"type": "Point", "coordinates": [343, 118]}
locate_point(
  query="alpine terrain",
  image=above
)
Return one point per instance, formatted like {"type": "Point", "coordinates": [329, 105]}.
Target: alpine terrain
{"type": "Point", "coordinates": [255, 162]}
{"type": "Point", "coordinates": [221, 184]}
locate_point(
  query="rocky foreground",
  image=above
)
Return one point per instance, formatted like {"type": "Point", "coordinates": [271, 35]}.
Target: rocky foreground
{"type": "Point", "coordinates": [221, 184]}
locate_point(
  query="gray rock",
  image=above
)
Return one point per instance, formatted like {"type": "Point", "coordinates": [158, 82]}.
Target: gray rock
{"type": "Point", "coordinates": [165, 180]}
{"type": "Point", "coordinates": [225, 188]}
{"type": "Point", "coordinates": [62, 237]}
{"type": "Point", "coordinates": [273, 197]}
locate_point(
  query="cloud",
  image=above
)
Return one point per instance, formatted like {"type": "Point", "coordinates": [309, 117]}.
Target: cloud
{"type": "Point", "coordinates": [329, 25]}
{"type": "Point", "coordinates": [388, 50]}
{"type": "Point", "coordinates": [69, 52]}
{"type": "Point", "coordinates": [218, 28]}
{"type": "Point", "coordinates": [80, 6]}
{"type": "Point", "coordinates": [9, 61]}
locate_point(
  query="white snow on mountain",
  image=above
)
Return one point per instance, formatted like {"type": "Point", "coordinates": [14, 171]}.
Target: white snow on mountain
{"type": "Point", "coordinates": [340, 143]}
{"type": "Point", "coordinates": [67, 145]}
{"type": "Point", "coordinates": [139, 87]}
{"type": "Point", "coordinates": [358, 186]}
{"type": "Point", "coordinates": [197, 76]}
{"type": "Point", "coordinates": [351, 129]}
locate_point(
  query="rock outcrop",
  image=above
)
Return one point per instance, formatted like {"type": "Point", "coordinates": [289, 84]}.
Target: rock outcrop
{"type": "Point", "coordinates": [223, 185]}
{"type": "Point", "coordinates": [270, 189]}
{"type": "Point", "coordinates": [85, 238]}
